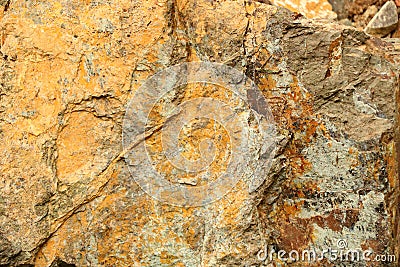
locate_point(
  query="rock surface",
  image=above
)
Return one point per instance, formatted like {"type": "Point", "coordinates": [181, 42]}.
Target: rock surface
{"type": "Point", "coordinates": [352, 8]}
{"type": "Point", "coordinates": [68, 70]}
{"type": "Point", "coordinates": [385, 21]}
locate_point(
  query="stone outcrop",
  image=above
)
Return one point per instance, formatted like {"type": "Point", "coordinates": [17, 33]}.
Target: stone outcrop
{"type": "Point", "coordinates": [385, 21]}
{"type": "Point", "coordinates": [68, 71]}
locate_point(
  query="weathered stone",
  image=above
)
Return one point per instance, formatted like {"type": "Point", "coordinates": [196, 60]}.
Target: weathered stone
{"type": "Point", "coordinates": [346, 22]}
{"type": "Point", "coordinates": [339, 7]}
{"type": "Point", "coordinates": [396, 33]}
{"type": "Point", "coordinates": [67, 73]}
{"type": "Point", "coordinates": [385, 21]}
{"type": "Point", "coordinates": [361, 21]}
{"type": "Point", "coordinates": [352, 8]}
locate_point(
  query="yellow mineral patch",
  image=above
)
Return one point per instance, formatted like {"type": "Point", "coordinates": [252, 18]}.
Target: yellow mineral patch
{"type": "Point", "coordinates": [309, 8]}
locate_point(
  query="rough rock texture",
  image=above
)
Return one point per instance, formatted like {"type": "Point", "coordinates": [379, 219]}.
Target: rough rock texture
{"type": "Point", "coordinates": [385, 21]}
{"type": "Point", "coordinates": [67, 72]}
{"type": "Point", "coordinates": [361, 21]}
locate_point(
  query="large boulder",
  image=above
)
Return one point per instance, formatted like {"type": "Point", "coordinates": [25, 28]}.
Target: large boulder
{"type": "Point", "coordinates": [68, 72]}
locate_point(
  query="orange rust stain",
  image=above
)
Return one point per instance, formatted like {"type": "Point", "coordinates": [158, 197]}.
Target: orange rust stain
{"type": "Point", "coordinates": [267, 84]}
{"type": "Point", "coordinates": [311, 130]}
{"type": "Point", "coordinates": [166, 258]}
